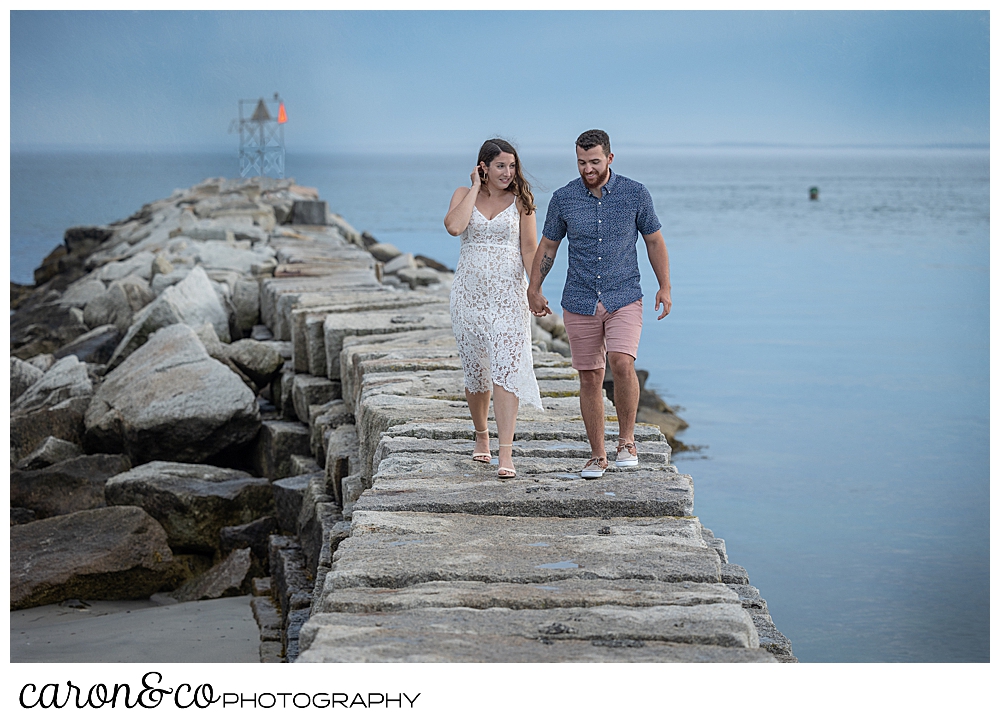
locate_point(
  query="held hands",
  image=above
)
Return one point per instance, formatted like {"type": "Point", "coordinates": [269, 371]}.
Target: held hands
{"type": "Point", "coordinates": [538, 304]}
{"type": "Point", "coordinates": [662, 297]}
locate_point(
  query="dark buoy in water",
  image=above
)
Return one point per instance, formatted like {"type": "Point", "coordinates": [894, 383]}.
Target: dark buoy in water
{"type": "Point", "coordinates": [814, 194]}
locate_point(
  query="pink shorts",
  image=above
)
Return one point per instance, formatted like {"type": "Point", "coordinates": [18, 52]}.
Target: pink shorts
{"type": "Point", "coordinates": [591, 337]}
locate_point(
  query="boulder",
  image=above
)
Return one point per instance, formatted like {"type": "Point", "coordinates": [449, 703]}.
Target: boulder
{"type": "Point", "coordinates": [141, 265]}
{"type": "Point", "coordinates": [344, 228]}
{"type": "Point", "coordinates": [64, 420]}
{"type": "Point", "coordinates": [229, 578]}
{"type": "Point", "coordinates": [246, 304]}
{"type": "Point", "coordinates": [50, 451]}
{"type": "Point", "coordinates": [192, 302]}
{"type": "Point", "coordinates": [43, 361]}
{"type": "Point", "coordinates": [419, 277]}
{"type": "Point", "coordinates": [193, 502]}
{"type": "Point", "coordinates": [69, 486]}
{"type": "Point", "coordinates": [111, 307]}
{"type": "Point", "coordinates": [67, 378]}
{"type": "Point", "coordinates": [41, 327]}
{"type": "Point", "coordinates": [384, 252]}
{"type": "Point", "coordinates": [308, 391]}
{"type": "Point", "coordinates": [171, 401]}
{"type": "Point", "coordinates": [288, 495]}
{"type": "Point", "coordinates": [254, 536]}
{"type": "Point", "coordinates": [403, 261]}
{"type": "Point", "coordinates": [118, 553]}
{"type": "Point", "coordinates": [161, 265]}
{"type": "Point", "coordinates": [275, 445]}
{"type": "Point", "coordinates": [79, 293]}
{"type": "Point", "coordinates": [309, 213]}
{"type": "Point", "coordinates": [22, 376]}
{"type": "Point", "coordinates": [259, 361]}
{"type": "Point", "coordinates": [94, 347]}
{"type": "Point", "coordinates": [21, 516]}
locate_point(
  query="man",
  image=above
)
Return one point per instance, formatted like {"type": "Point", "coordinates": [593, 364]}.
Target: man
{"type": "Point", "coordinates": [602, 215]}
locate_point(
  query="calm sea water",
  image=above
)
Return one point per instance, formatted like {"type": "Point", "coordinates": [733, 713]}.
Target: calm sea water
{"type": "Point", "coordinates": [831, 356]}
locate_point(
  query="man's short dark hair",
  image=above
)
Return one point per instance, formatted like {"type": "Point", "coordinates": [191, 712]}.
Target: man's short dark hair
{"type": "Point", "coordinates": [591, 138]}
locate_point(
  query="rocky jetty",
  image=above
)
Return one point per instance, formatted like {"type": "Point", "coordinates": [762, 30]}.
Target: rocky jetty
{"type": "Point", "coordinates": [234, 391]}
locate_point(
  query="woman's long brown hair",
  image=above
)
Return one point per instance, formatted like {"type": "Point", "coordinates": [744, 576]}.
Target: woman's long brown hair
{"type": "Point", "coordinates": [519, 186]}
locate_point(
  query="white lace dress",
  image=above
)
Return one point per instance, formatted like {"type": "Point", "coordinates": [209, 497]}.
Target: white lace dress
{"type": "Point", "coordinates": [489, 307]}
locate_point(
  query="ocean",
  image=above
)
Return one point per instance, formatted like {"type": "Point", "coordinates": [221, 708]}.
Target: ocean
{"type": "Point", "coordinates": [830, 356]}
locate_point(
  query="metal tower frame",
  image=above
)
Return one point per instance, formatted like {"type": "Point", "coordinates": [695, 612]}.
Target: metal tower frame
{"type": "Point", "coordinates": [262, 137]}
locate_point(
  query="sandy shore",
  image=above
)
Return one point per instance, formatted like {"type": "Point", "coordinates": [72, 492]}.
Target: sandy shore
{"type": "Point", "coordinates": [137, 631]}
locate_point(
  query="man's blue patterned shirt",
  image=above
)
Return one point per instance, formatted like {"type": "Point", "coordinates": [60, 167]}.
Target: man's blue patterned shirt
{"type": "Point", "coordinates": [602, 233]}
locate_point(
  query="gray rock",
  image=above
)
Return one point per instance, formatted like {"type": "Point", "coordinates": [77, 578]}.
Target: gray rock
{"type": "Point", "coordinates": [64, 420]}
{"type": "Point", "coordinates": [275, 445]}
{"type": "Point", "coordinates": [21, 516]}
{"type": "Point", "coordinates": [342, 459]}
{"type": "Point", "coordinates": [229, 578]}
{"type": "Point", "coordinates": [94, 347]}
{"type": "Point", "coordinates": [323, 419]}
{"type": "Point", "coordinates": [193, 502]}
{"type": "Point", "coordinates": [288, 495]}
{"type": "Point", "coordinates": [192, 302]}
{"type": "Point", "coordinates": [309, 213]}
{"type": "Point", "coordinates": [260, 361]}
{"type": "Point", "coordinates": [419, 277]}
{"type": "Point", "coordinates": [118, 553]}
{"type": "Point", "coordinates": [111, 307]}
{"type": "Point", "coordinates": [42, 361]}
{"type": "Point", "coordinates": [161, 265]}
{"type": "Point", "coordinates": [308, 391]}
{"type": "Point", "coordinates": [384, 252]}
{"type": "Point", "coordinates": [268, 618]}
{"type": "Point", "coordinates": [162, 282]}
{"type": "Point", "coordinates": [171, 401]}
{"type": "Point", "coordinates": [346, 230]}
{"type": "Point", "coordinates": [67, 378]}
{"type": "Point", "coordinates": [253, 536]}
{"type": "Point", "coordinates": [337, 327]}
{"type": "Point", "coordinates": [50, 451]}
{"type": "Point", "coordinates": [22, 376]}
{"type": "Point", "coordinates": [291, 586]}
{"type": "Point", "coordinates": [544, 487]}
{"type": "Point", "coordinates": [80, 293]}
{"type": "Point", "coordinates": [564, 594]}
{"type": "Point", "coordinates": [69, 486]}
{"type": "Point", "coordinates": [246, 303]}
{"type": "Point", "coordinates": [396, 549]}
{"type": "Point", "coordinates": [502, 635]}
{"type": "Point", "coordinates": [403, 261]}
{"type": "Point", "coordinates": [316, 516]}
{"type": "Point", "coordinates": [140, 265]}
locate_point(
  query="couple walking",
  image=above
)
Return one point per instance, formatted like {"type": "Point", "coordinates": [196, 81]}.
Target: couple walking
{"type": "Point", "coordinates": [602, 215]}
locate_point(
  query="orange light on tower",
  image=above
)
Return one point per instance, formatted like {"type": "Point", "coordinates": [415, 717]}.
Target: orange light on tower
{"type": "Point", "coordinates": [282, 116]}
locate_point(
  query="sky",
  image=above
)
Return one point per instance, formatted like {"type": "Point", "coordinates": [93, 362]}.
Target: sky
{"type": "Point", "coordinates": [443, 80]}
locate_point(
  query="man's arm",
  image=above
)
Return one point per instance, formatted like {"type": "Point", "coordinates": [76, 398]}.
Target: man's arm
{"type": "Point", "coordinates": [545, 256]}
{"type": "Point", "coordinates": [656, 248]}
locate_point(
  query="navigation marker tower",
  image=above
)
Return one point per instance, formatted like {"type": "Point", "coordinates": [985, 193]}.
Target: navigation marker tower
{"type": "Point", "coordinates": [262, 137]}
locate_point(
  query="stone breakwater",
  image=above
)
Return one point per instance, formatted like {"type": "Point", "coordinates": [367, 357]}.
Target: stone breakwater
{"type": "Point", "coordinates": [234, 391]}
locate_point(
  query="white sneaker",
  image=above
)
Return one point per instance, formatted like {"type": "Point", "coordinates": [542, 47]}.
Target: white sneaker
{"type": "Point", "coordinates": [594, 468]}
{"type": "Point", "coordinates": [626, 455]}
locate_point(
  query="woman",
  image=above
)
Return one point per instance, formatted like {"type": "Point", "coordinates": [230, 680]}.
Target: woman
{"type": "Point", "coordinates": [489, 303]}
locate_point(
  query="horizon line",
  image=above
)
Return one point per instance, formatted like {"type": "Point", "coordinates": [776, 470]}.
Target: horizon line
{"type": "Point", "coordinates": [542, 147]}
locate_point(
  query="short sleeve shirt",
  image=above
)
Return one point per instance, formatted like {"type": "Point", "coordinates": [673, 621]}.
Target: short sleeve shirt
{"type": "Point", "coordinates": [602, 234]}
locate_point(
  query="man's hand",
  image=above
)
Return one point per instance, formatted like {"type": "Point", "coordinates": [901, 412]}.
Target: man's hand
{"type": "Point", "coordinates": [538, 304]}
{"type": "Point", "coordinates": [662, 297]}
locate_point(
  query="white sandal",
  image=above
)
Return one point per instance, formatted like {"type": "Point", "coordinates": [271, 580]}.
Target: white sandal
{"type": "Point", "coordinates": [511, 470]}
{"type": "Point", "coordinates": [484, 457]}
